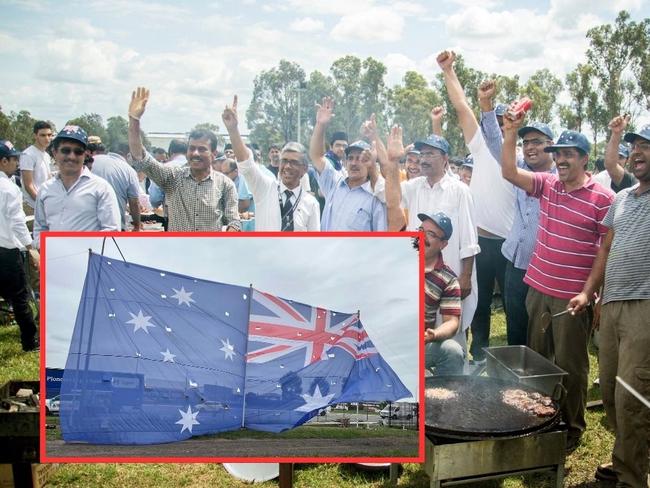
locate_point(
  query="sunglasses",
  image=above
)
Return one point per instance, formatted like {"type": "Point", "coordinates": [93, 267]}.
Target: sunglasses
{"type": "Point", "coordinates": [78, 151]}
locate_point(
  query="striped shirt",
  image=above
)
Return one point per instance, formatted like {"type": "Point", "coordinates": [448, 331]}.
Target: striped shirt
{"type": "Point", "coordinates": [627, 276]}
{"type": "Point", "coordinates": [441, 293]}
{"type": "Point", "coordinates": [568, 236]}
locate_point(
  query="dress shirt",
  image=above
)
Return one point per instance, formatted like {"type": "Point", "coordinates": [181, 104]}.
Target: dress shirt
{"type": "Point", "coordinates": [38, 162]}
{"type": "Point", "coordinates": [122, 177]}
{"type": "Point", "coordinates": [13, 230]}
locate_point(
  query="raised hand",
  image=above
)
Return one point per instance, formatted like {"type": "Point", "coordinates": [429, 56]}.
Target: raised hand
{"type": "Point", "coordinates": [394, 144]}
{"type": "Point", "coordinates": [229, 115]}
{"type": "Point", "coordinates": [139, 99]}
{"type": "Point", "coordinates": [487, 89]}
{"type": "Point", "coordinates": [618, 123]}
{"type": "Point", "coordinates": [325, 111]}
{"type": "Point", "coordinates": [446, 60]}
{"type": "Point", "coordinates": [510, 124]}
{"type": "Point", "coordinates": [437, 113]}
{"type": "Point", "coordinates": [369, 128]}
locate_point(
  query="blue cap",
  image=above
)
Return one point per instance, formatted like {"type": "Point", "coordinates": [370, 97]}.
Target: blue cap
{"type": "Point", "coordinates": [435, 142]}
{"type": "Point", "coordinates": [536, 126]}
{"type": "Point", "coordinates": [74, 133]}
{"type": "Point", "coordinates": [570, 138]}
{"type": "Point", "coordinates": [623, 150]}
{"type": "Point", "coordinates": [644, 133]}
{"type": "Point", "coordinates": [441, 220]}
{"type": "Point", "coordinates": [500, 109]}
{"type": "Point", "coordinates": [413, 151]}
{"type": "Point", "coordinates": [7, 150]}
{"type": "Point", "coordinates": [468, 161]}
{"type": "Point", "coordinates": [362, 145]}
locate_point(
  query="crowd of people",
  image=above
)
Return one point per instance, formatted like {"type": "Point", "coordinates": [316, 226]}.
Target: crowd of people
{"type": "Point", "coordinates": [520, 211]}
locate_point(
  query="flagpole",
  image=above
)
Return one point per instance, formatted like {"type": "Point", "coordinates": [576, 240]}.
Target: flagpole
{"type": "Point", "coordinates": [82, 313]}
{"type": "Point", "coordinates": [250, 301]}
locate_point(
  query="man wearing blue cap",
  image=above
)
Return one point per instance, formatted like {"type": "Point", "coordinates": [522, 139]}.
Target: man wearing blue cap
{"type": "Point", "coordinates": [75, 199]}
{"type": "Point", "coordinates": [443, 336]}
{"type": "Point", "coordinates": [570, 230]}
{"type": "Point", "coordinates": [14, 238]}
{"type": "Point", "coordinates": [466, 169]}
{"type": "Point", "coordinates": [623, 264]}
{"type": "Point", "coordinates": [616, 176]}
{"type": "Point", "coordinates": [350, 204]}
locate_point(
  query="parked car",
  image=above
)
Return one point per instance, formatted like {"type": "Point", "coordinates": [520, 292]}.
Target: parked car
{"type": "Point", "coordinates": [52, 405]}
{"type": "Point", "coordinates": [399, 411]}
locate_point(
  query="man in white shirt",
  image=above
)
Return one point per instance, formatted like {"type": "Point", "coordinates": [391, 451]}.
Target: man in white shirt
{"type": "Point", "coordinates": [279, 205]}
{"type": "Point", "coordinates": [35, 164]}
{"type": "Point", "coordinates": [14, 237]}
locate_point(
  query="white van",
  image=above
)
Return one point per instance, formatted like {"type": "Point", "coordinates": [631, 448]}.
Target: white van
{"type": "Point", "coordinates": [399, 410]}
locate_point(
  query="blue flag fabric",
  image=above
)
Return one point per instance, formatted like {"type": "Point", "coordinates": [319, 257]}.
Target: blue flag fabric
{"type": "Point", "coordinates": [159, 357]}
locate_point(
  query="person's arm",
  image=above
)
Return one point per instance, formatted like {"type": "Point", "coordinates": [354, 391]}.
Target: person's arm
{"type": "Point", "coordinates": [446, 330]}
{"type": "Point", "coordinates": [436, 116]}
{"type": "Point", "coordinates": [509, 170]}
{"type": "Point", "coordinates": [324, 114]}
{"type": "Point", "coordinates": [465, 276]}
{"type": "Point", "coordinates": [139, 99]}
{"type": "Point", "coordinates": [229, 200]}
{"type": "Point", "coordinates": [596, 276]}
{"type": "Point", "coordinates": [231, 121]}
{"type": "Point", "coordinates": [27, 179]}
{"type": "Point", "coordinates": [40, 220]}
{"type": "Point", "coordinates": [134, 211]}
{"type": "Point", "coordinates": [466, 119]}
{"type": "Point", "coordinates": [14, 210]}
{"type": "Point", "coordinates": [488, 122]}
{"type": "Point", "coordinates": [617, 126]}
{"type": "Point", "coordinates": [389, 157]}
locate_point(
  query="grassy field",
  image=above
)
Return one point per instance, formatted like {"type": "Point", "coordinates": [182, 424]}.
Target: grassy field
{"type": "Point", "coordinates": [595, 448]}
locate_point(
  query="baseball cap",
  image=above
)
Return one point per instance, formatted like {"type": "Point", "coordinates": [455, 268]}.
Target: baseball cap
{"type": "Point", "coordinates": [500, 109]}
{"type": "Point", "coordinates": [468, 161]}
{"type": "Point", "coordinates": [8, 150]}
{"type": "Point", "coordinates": [94, 140]}
{"type": "Point", "coordinates": [624, 151]}
{"type": "Point", "coordinates": [570, 138]}
{"type": "Point", "coordinates": [536, 126]}
{"type": "Point", "coordinates": [413, 151]}
{"type": "Point", "coordinates": [644, 133]}
{"type": "Point", "coordinates": [362, 145]}
{"type": "Point", "coordinates": [339, 136]}
{"type": "Point", "coordinates": [74, 133]}
{"type": "Point", "coordinates": [434, 141]}
{"type": "Point", "coordinates": [441, 220]}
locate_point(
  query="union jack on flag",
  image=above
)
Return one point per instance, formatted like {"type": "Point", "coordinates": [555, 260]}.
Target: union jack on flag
{"type": "Point", "coordinates": [283, 327]}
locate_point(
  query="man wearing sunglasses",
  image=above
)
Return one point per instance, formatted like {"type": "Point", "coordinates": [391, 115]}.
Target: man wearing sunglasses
{"type": "Point", "coordinates": [76, 199]}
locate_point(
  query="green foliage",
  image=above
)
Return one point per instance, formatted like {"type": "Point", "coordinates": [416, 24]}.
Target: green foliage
{"type": "Point", "coordinates": [542, 88]}
{"type": "Point", "coordinates": [93, 124]}
{"type": "Point", "coordinates": [18, 128]}
{"type": "Point", "coordinates": [411, 104]}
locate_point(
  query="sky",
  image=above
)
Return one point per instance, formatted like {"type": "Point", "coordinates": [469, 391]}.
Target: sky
{"type": "Point", "coordinates": [377, 276]}
{"type": "Point", "coordinates": [63, 59]}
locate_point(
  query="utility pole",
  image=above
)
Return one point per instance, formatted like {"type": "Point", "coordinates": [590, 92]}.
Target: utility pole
{"type": "Point", "coordinates": [301, 88]}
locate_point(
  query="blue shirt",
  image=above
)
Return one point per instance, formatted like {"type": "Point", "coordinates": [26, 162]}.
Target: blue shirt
{"type": "Point", "coordinates": [349, 209]}
{"type": "Point", "coordinates": [520, 243]}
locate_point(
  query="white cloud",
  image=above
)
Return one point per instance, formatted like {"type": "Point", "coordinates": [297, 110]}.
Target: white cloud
{"type": "Point", "coordinates": [307, 24]}
{"type": "Point", "coordinates": [331, 7]}
{"type": "Point", "coordinates": [8, 43]}
{"type": "Point", "coordinates": [397, 65]}
{"type": "Point", "coordinates": [376, 24]}
{"type": "Point", "coordinates": [77, 29]}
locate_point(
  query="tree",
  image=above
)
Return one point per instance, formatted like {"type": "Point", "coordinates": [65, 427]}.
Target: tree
{"type": "Point", "coordinates": [117, 132]}
{"type": "Point", "coordinates": [207, 126]}
{"type": "Point", "coordinates": [542, 88]}
{"type": "Point", "coordinates": [93, 124]}
{"type": "Point", "coordinates": [507, 88]}
{"type": "Point", "coordinates": [5, 127]}
{"type": "Point", "coordinates": [22, 129]}
{"type": "Point", "coordinates": [411, 104]}
{"type": "Point", "coordinates": [579, 83]}
{"type": "Point", "coordinates": [318, 86]}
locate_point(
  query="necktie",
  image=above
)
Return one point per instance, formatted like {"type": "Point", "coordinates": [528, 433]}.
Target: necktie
{"type": "Point", "coordinates": [286, 211]}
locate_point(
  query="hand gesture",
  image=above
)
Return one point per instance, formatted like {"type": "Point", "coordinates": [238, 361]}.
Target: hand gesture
{"type": "Point", "coordinates": [618, 123]}
{"type": "Point", "coordinates": [487, 90]}
{"type": "Point", "coordinates": [436, 114]}
{"type": "Point", "coordinates": [229, 115]}
{"type": "Point", "coordinates": [510, 124]}
{"type": "Point", "coordinates": [139, 99]}
{"type": "Point", "coordinates": [394, 144]}
{"type": "Point", "coordinates": [325, 111]}
{"type": "Point", "coordinates": [446, 60]}
{"type": "Point", "coordinates": [578, 303]}
{"type": "Point", "coordinates": [34, 259]}
{"type": "Point", "coordinates": [429, 335]}
{"type": "Point", "coordinates": [369, 128]}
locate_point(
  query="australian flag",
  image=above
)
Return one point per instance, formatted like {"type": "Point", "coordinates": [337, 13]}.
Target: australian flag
{"type": "Point", "coordinates": [159, 357]}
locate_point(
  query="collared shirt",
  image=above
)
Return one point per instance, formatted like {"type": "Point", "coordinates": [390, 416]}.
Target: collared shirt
{"type": "Point", "coordinates": [520, 242]}
{"type": "Point", "coordinates": [13, 230]}
{"type": "Point", "coordinates": [89, 204]}
{"type": "Point", "coordinates": [156, 195]}
{"type": "Point", "coordinates": [349, 209]}
{"type": "Point", "coordinates": [627, 275]}
{"type": "Point", "coordinates": [441, 293]}
{"type": "Point", "coordinates": [204, 205]}
{"type": "Point", "coordinates": [569, 234]}
{"type": "Point", "coordinates": [267, 192]}
{"type": "Point", "coordinates": [38, 162]}
{"type": "Point", "coordinates": [122, 177]}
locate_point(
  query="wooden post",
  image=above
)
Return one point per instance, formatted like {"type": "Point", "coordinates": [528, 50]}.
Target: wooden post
{"type": "Point", "coordinates": [286, 475]}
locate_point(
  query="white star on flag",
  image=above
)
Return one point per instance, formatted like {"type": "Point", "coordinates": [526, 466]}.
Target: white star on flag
{"type": "Point", "coordinates": [140, 321]}
{"type": "Point", "coordinates": [183, 296]}
{"type": "Point", "coordinates": [315, 401]}
{"type": "Point", "coordinates": [168, 356]}
{"type": "Point", "coordinates": [188, 419]}
{"type": "Point", "coordinates": [228, 349]}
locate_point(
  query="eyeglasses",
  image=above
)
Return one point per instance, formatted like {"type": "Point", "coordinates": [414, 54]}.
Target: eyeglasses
{"type": "Point", "coordinates": [294, 163]}
{"type": "Point", "coordinates": [430, 155]}
{"type": "Point", "coordinates": [431, 234]}
{"type": "Point", "coordinates": [78, 151]}
{"type": "Point", "coordinates": [641, 146]}
{"type": "Point", "coordinates": [532, 142]}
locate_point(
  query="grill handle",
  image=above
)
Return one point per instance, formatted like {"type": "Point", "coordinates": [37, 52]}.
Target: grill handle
{"type": "Point", "coordinates": [559, 393]}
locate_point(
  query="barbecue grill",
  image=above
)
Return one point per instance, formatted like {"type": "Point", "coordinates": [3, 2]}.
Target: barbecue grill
{"type": "Point", "coordinates": [475, 436]}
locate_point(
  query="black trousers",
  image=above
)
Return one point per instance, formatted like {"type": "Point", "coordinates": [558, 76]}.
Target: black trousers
{"type": "Point", "coordinates": [13, 288]}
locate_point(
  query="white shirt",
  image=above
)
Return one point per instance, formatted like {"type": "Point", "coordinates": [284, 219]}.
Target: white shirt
{"type": "Point", "coordinates": [89, 204]}
{"type": "Point", "coordinates": [267, 192]}
{"type": "Point", "coordinates": [494, 196]}
{"type": "Point", "coordinates": [37, 161]}
{"type": "Point", "coordinates": [604, 179]}
{"type": "Point", "coordinates": [13, 230]}
{"type": "Point", "coordinates": [453, 198]}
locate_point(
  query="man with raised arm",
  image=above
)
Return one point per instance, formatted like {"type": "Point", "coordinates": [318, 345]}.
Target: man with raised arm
{"type": "Point", "coordinates": [198, 198]}
{"type": "Point", "coordinates": [350, 204]}
{"type": "Point", "coordinates": [279, 205]}
{"type": "Point", "coordinates": [615, 175]}
{"type": "Point", "coordinates": [572, 209]}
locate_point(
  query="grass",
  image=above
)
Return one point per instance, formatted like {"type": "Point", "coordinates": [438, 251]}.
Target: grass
{"type": "Point", "coordinates": [596, 447]}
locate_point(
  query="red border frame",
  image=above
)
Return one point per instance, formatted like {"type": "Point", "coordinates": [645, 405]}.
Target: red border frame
{"type": "Point", "coordinates": [155, 235]}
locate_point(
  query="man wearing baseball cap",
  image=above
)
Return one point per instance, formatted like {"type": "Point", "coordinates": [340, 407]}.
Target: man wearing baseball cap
{"type": "Point", "coordinates": [572, 209]}
{"type": "Point", "coordinates": [14, 238]}
{"type": "Point", "coordinates": [443, 336]}
{"type": "Point", "coordinates": [622, 264]}
{"type": "Point", "coordinates": [75, 199]}
{"type": "Point", "coordinates": [616, 176]}
{"type": "Point", "coordinates": [412, 165]}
